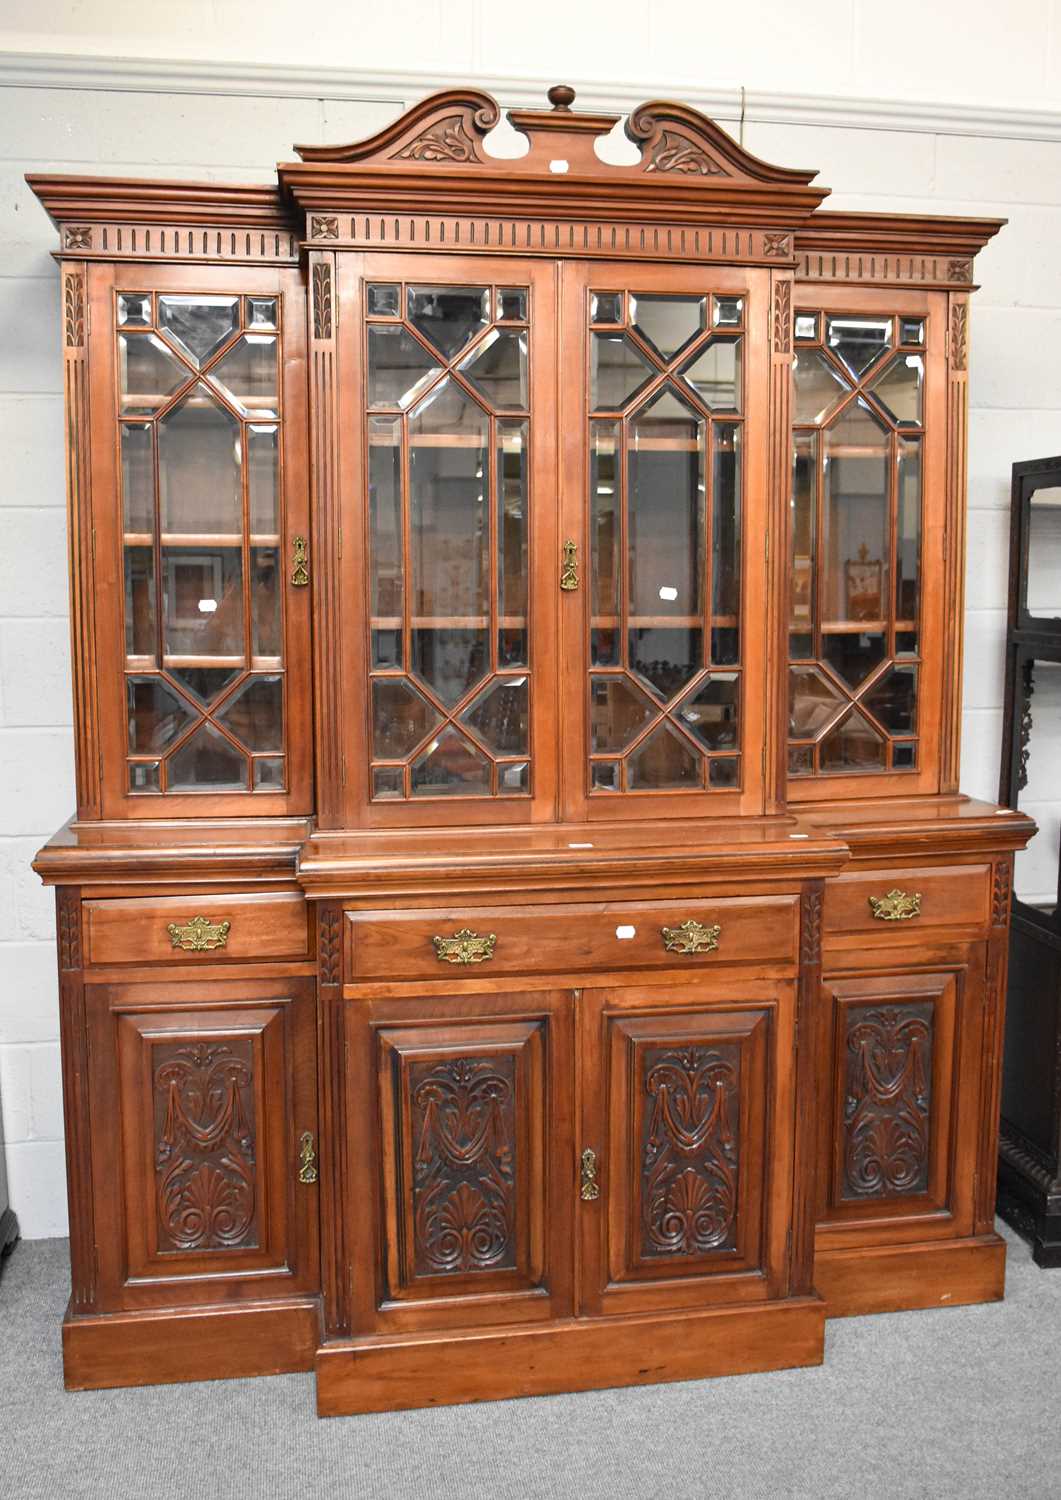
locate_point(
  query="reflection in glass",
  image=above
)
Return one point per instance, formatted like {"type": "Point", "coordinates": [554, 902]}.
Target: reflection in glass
{"type": "Point", "coordinates": [726, 513]}
{"type": "Point", "coordinates": [157, 713]}
{"type": "Point", "coordinates": [604, 541]}
{"type": "Point", "coordinates": [818, 386]}
{"type": "Point", "coordinates": [198, 325]}
{"type": "Point", "coordinates": [207, 761]}
{"type": "Point", "coordinates": [386, 575]}
{"type": "Point", "coordinates": [401, 718]}
{"type": "Point", "coordinates": [856, 525]}
{"type": "Point", "coordinates": [1044, 553]}
{"type": "Point", "coordinates": [450, 767]}
{"type": "Point", "coordinates": [148, 374]}
{"type": "Point", "coordinates": [513, 777]}
{"type": "Point", "coordinates": [138, 478]}
{"type": "Point", "coordinates": [399, 367]}
{"type": "Point", "coordinates": [263, 479]}
{"type": "Point", "coordinates": [908, 529]}
{"type": "Point", "coordinates": [714, 374]}
{"type": "Point", "coordinates": [807, 325]}
{"type": "Point", "coordinates": [853, 655]}
{"type": "Point", "coordinates": [663, 760]}
{"type": "Point", "coordinates": [497, 368]}
{"type": "Point", "coordinates": [724, 771]}
{"type": "Point", "coordinates": [141, 621]}
{"type": "Point", "coordinates": [261, 312]}
{"type": "Point", "coordinates": [383, 300]}
{"type": "Point", "coordinates": [854, 745]}
{"type": "Point", "coordinates": [904, 757]}
{"type": "Point", "coordinates": [618, 371]}
{"type": "Point", "coordinates": [134, 309]}
{"type": "Point", "coordinates": [254, 713]}
{"type": "Point", "coordinates": [512, 303]}
{"type": "Point", "coordinates": [813, 702]}
{"type": "Point", "coordinates": [893, 700]}
{"type": "Point", "coordinates": [665, 526]}
{"type": "Point", "coordinates": [500, 716]}
{"type": "Point", "coordinates": [618, 712]}
{"type": "Point", "coordinates": [202, 601]}
{"type": "Point", "coordinates": [710, 711]}
{"type": "Point", "coordinates": [144, 776]}
{"type": "Point", "coordinates": [247, 375]}
{"type": "Point", "coordinates": [606, 307]}
{"type": "Point", "coordinates": [729, 312]}
{"type": "Point", "coordinates": [204, 684]}
{"type": "Point", "coordinates": [911, 330]}
{"type": "Point", "coordinates": [857, 342]}
{"type": "Point", "coordinates": [899, 389]}
{"type": "Point", "coordinates": [668, 323]}
{"type": "Point", "coordinates": [800, 760]}
{"type": "Point", "coordinates": [803, 528]}
{"type": "Point", "coordinates": [604, 775]}
{"type": "Point", "coordinates": [448, 460]}
{"type": "Point", "coordinates": [449, 316]}
{"type": "Point", "coordinates": [268, 773]}
{"type": "Point", "coordinates": [388, 782]}
{"type": "Point", "coordinates": [199, 463]}
{"type": "Point", "coordinates": [800, 645]}
{"type": "Point", "coordinates": [266, 634]}
{"type": "Point", "coordinates": [512, 543]}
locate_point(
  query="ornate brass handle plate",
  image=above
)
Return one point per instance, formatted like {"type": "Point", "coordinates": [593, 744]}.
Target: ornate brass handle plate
{"type": "Point", "coordinates": [198, 935]}
{"type": "Point", "coordinates": [589, 1187]}
{"type": "Point", "coordinates": [307, 1157]}
{"type": "Point", "coordinates": [569, 568]}
{"type": "Point", "coordinates": [300, 563]}
{"type": "Point", "coordinates": [896, 906]}
{"type": "Point", "coordinates": [465, 947]}
{"type": "Point", "coordinates": [691, 936]}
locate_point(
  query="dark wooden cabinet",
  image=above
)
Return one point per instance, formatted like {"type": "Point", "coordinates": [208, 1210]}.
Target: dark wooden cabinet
{"type": "Point", "coordinates": [514, 661]}
{"type": "Point", "coordinates": [8, 1222]}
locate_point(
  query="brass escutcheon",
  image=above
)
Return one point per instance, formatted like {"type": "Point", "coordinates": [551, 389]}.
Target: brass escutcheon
{"type": "Point", "coordinates": [300, 563]}
{"type": "Point", "coordinates": [569, 567]}
{"type": "Point", "coordinates": [465, 947]}
{"type": "Point", "coordinates": [307, 1171]}
{"type": "Point", "coordinates": [589, 1188]}
{"type": "Point", "coordinates": [691, 937]}
{"type": "Point", "coordinates": [896, 906]}
{"type": "Point", "coordinates": [198, 935]}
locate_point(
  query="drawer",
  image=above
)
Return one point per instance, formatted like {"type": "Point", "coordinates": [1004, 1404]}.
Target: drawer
{"type": "Point", "coordinates": [562, 939]}
{"type": "Point", "coordinates": [196, 929]}
{"type": "Point", "coordinates": [902, 904]}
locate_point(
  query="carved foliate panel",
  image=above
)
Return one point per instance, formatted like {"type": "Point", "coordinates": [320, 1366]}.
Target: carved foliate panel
{"type": "Point", "coordinates": [689, 1149]}
{"type": "Point", "coordinates": [205, 1174]}
{"type": "Point", "coordinates": [887, 1101]}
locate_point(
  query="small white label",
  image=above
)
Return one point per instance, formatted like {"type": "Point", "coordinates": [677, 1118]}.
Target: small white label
{"type": "Point", "coordinates": [666, 592]}
{"type": "Point", "coordinates": [580, 846]}
{"type": "Point", "coordinates": [558, 166]}
{"type": "Point", "coordinates": [799, 835]}
{"type": "Point", "coordinates": [207, 606]}
{"type": "Point", "coordinates": [624, 934]}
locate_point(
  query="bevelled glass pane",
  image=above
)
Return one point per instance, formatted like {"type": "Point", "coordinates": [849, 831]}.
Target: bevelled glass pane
{"type": "Point", "coordinates": [202, 601]}
{"type": "Point", "coordinates": [729, 312]}
{"type": "Point", "coordinates": [899, 389]}
{"type": "Point", "coordinates": [663, 760]}
{"type": "Point", "coordinates": [141, 621]}
{"type": "Point", "coordinates": [261, 312]}
{"type": "Point", "coordinates": [448, 459]}
{"type": "Point", "coordinates": [807, 325]}
{"type": "Point", "coordinates": [617, 712]}
{"type": "Point", "coordinates": [854, 745]}
{"type": "Point", "coordinates": [199, 462]}
{"type": "Point", "coordinates": [254, 714]}
{"type": "Point", "coordinates": [604, 775]}
{"type": "Point", "coordinates": [388, 782]}
{"type": "Point", "coordinates": [266, 585]}
{"type": "Point", "coordinates": [911, 330]}
{"type": "Point", "coordinates": [724, 771]}
{"type": "Point", "coordinates": [451, 767]}
{"type": "Point", "coordinates": [606, 307]}
{"type": "Point", "coordinates": [148, 373]}
{"type": "Point", "coordinates": [908, 530]}
{"type": "Point", "coordinates": [204, 684]}
{"type": "Point", "coordinates": [401, 717]}
{"type": "Point", "coordinates": [817, 386]}
{"type": "Point", "coordinates": [247, 375]}
{"type": "Point", "coordinates": [726, 518]}
{"type": "Point", "coordinates": [138, 478]}
{"type": "Point", "coordinates": [263, 478]}
{"type": "Point", "coordinates": [803, 528]}
{"type": "Point", "coordinates": [904, 757]}
{"type": "Point", "coordinates": [605, 573]}
{"type": "Point", "coordinates": [386, 576]}
{"type": "Point", "coordinates": [268, 773]}
{"type": "Point", "coordinates": [715, 374]}
{"type": "Point", "coordinates": [497, 367]}
{"type": "Point", "coordinates": [853, 655]}
{"type": "Point", "coordinates": [157, 713]}
{"type": "Point", "coordinates": [449, 316]}
{"type": "Point", "coordinates": [856, 520]}
{"type": "Point", "coordinates": [399, 367]}
{"type": "Point", "coordinates": [134, 309]}
{"type": "Point", "coordinates": [812, 702]}
{"type": "Point", "coordinates": [857, 342]}
{"type": "Point", "coordinates": [513, 778]}
{"type": "Point", "coordinates": [512, 542]}
{"type": "Point", "coordinates": [800, 760]}
{"type": "Point", "coordinates": [198, 325]}
{"type": "Point", "coordinates": [618, 370]}
{"type": "Point", "coordinates": [207, 761]}
{"type": "Point", "coordinates": [668, 323]}
{"type": "Point", "coordinates": [144, 776]}
{"type": "Point", "coordinates": [906, 643]}
{"type": "Point", "coordinates": [893, 700]}
{"type": "Point", "coordinates": [666, 542]}
{"type": "Point", "coordinates": [710, 712]}
{"type": "Point", "coordinates": [384, 299]}
{"type": "Point", "coordinates": [500, 716]}
{"type": "Point", "coordinates": [512, 303]}
{"type": "Point", "coordinates": [800, 645]}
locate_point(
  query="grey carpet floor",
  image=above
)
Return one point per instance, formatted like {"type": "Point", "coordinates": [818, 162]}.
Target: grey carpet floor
{"type": "Point", "coordinates": [964, 1402]}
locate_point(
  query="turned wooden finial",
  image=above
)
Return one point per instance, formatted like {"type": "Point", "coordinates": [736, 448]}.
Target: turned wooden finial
{"type": "Point", "coordinates": [561, 96]}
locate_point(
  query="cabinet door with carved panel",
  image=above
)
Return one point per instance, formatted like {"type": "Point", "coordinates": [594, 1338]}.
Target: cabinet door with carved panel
{"type": "Point", "coordinates": [902, 1071]}
{"type": "Point", "coordinates": [201, 563]}
{"type": "Point", "coordinates": [686, 1145]}
{"type": "Point", "coordinates": [463, 1172]}
{"type": "Point", "coordinates": [203, 1105]}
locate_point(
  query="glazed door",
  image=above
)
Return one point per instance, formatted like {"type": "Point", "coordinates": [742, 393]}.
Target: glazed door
{"type": "Point", "coordinates": [449, 464]}
{"type": "Point", "coordinates": [201, 555]}
{"type": "Point", "coordinates": [664, 433]}
{"type": "Point", "coordinates": [203, 1099]}
{"type": "Point", "coordinates": [686, 1145]}
{"type": "Point", "coordinates": [460, 1196]}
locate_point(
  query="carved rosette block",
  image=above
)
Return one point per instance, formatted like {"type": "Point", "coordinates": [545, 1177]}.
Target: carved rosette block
{"type": "Point", "coordinates": [464, 1165]}
{"type": "Point", "coordinates": [204, 1145]}
{"type": "Point", "coordinates": [689, 1150]}
{"type": "Point", "coordinates": [887, 1101]}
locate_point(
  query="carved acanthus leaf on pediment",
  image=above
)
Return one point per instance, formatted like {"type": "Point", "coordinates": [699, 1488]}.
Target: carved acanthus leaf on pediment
{"type": "Point", "coordinates": [444, 127]}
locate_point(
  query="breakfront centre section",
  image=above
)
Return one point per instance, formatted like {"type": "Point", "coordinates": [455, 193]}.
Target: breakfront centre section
{"type": "Point", "coordinates": [520, 930]}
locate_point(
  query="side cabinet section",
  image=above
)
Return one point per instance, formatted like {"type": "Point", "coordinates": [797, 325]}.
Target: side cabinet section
{"type": "Point", "coordinates": [461, 1167]}
{"type": "Point", "coordinates": [204, 1105]}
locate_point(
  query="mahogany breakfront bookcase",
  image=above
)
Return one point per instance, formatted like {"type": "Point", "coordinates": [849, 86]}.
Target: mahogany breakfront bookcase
{"type": "Point", "coordinates": [520, 930]}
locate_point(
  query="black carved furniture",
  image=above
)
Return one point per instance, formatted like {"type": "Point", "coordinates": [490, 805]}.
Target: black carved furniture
{"type": "Point", "coordinates": [8, 1222]}
{"type": "Point", "coordinates": [1029, 1185]}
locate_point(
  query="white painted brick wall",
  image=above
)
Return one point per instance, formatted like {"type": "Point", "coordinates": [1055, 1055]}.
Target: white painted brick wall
{"type": "Point", "coordinates": [839, 46]}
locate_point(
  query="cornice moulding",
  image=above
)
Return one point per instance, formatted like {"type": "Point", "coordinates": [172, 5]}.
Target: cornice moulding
{"type": "Point", "coordinates": [146, 75]}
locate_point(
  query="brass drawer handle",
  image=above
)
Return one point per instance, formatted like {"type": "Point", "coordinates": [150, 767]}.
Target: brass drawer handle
{"type": "Point", "coordinates": [198, 935]}
{"type": "Point", "coordinates": [307, 1171]}
{"type": "Point", "coordinates": [691, 937]}
{"type": "Point", "coordinates": [589, 1187]}
{"type": "Point", "coordinates": [896, 906]}
{"type": "Point", "coordinates": [465, 947]}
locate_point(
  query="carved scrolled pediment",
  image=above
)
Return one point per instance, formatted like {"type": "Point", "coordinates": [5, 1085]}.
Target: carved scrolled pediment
{"type": "Point", "coordinates": [444, 127]}
{"type": "Point", "coordinates": [676, 139]}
